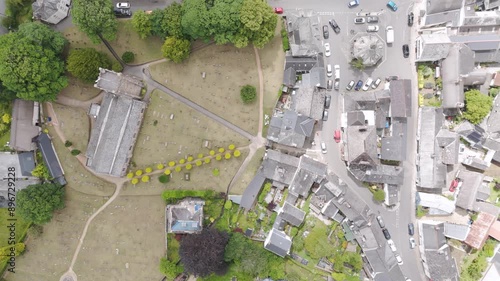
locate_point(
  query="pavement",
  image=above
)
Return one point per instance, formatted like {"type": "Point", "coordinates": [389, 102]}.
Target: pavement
{"type": "Point", "coordinates": [393, 63]}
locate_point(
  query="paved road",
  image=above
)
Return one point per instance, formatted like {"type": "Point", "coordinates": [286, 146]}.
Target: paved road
{"type": "Point", "coordinates": [393, 64]}
{"type": "Point", "coordinates": [3, 30]}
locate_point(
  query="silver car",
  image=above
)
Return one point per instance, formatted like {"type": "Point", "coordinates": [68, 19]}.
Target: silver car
{"type": "Point", "coordinates": [372, 19]}
{"type": "Point", "coordinates": [372, 28]}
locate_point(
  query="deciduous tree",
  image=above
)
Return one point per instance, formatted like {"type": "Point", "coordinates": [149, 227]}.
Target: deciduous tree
{"type": "Point", "coordinates": [176, 49]}
{"type": "Point", "coordinates": [224, 20]}
{"type": "Point", "coordinates": [379, 195]}
{"type": "Point", "coordinates": [172, 23]}
{"type": "Point", "coordinates": [170, 269]}
{"type": "Point", "coordinates": [194, 19]}
{"type": "Point", "coordinates": [203, 254]}
{"type": "Point", "coordinates": [142, 23]}
{"type": "Point", "coordinates": [258, 23]}
{"type": "Point", "coordinates": [84, 63]}
{"type": "Point", "coordinates": [94, 18]}
{"type": "Point", "coordinates": [477, 106]}
{"type": "Point", "coordinates": [36, 203]}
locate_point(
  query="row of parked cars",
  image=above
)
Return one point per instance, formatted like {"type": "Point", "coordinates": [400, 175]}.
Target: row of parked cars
{"type": "Point", "coordinates": [367, 85]}
{"type": "Point", "coordinates": [387, 235]}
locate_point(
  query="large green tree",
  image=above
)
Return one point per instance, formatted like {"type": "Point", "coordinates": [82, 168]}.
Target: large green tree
{"type": "Point", "coordinates": [259, 23]}
{"type": "Point", "coordinates": [142, 23]}
{"type": "Point", "coordinates": [224, 22]}
{"type": "Point", "coordinates": [31, 64]}
{"type": "Point", "coordinates": [170, 269]}
{"type": "Point", "coordinates": [477, 106]}
{"type": "Point", "coordinates": [317, 244]}
{"type": "Point", "coordinates": [85, 63]}
{"type": "Point", "coordinates": [158, 19]}
{"type": "Point", "coordinates": [176, 49]}
{"type": "Point", "coordinates": [94, 18]}
{"type": "Point", "coordinates": [36, 203]}
{"type": "Point", "coordinates": [173, 20]}
{"type": "Point", "coordinates": [194, 19]}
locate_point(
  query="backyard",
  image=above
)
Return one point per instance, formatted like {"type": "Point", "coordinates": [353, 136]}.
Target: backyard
{"type": "Point", "coordinates": [428, 85]}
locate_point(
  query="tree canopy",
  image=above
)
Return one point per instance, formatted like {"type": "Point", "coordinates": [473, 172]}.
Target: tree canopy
{"type": "Point", "coordinates": [142, 23]}
{"type": "Point", "coordinates": [194, 19]}
{"type": "Point", "coordinates": [316, 243]}
{"type": "Point", "coordinates": [37, 202]}
{"type": "Point", "coordinates": [259, 23]}
{"type": "Point", "coordinates": [173, 20]}
{"type": "Point", "coordinates": [94, 18]}
{"type": "Point", "coordinates": [30, 63]}
{"type": "Point", "coordinates": [176, 49]}
{"type": "Point", "coordinates": [203, 254]}
{"type": "Point", "coordinates": [379, 195]}
{"type": "Point", "coordinates": [224, 22]}
{"type": "Point", "coordinates": [85, 63]}
{"type": "Point", "coordinates": [248, 94]}
{"type": "Point", "coordinates": [477, 106]}
{"type": "Point", "coordinates": [170, 269]}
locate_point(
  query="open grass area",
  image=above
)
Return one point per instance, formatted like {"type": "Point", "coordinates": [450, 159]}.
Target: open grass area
{"type": "Point", "coordinates": [125, 242]}
{"type": "Point", "coordinates": [494, 195]}
{"type": "Point", "coordinates": [249, 173]}
{"type": "Point", "coordinates": [74, 123]}
{"type": "Point", "coordinates": [4, 139]}
{"type": "Point", "coordinates": [79, 90]}
{"type": "Point", "coordinates": [127, 39]}
{"type": "Point", "coordinates": [21, 227]}
{"type": "Point", "coordinates": [434, 101]}
{"type": "Point", "coordinates": [78, 39]}
{"type": "Point", "coordinates": [227, 70]}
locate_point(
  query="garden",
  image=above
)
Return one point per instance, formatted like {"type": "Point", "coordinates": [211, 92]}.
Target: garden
{"type": "Point", "coordinates": [428, 85]}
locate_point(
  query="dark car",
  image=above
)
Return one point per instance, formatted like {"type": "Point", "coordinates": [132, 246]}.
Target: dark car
{"type": "Point", "coordinates": [411, 229]}
{"type": "Point", "coordinates": [334, 26]}
{"type": "Point", "coordinates": [386, 233]}
{"type": "Point", "coordinates": [122, 13]}
{"type": "Point", "coordinates": [328, 99]}
{"type": "Point", "coordinates": [389, 78]}
{"type": "Point", "coordinates": [325, 115]}
{"type": "Point", "coordinates": [329, 85]}
{"type": "Point", "coordinates": [410, 19]}
{"type": "Point", "coordinates": [406, 51]}
{"type": "Point", "coordinates": [326, 34]}
{"type": "Point", "coordinates": [358, 85]}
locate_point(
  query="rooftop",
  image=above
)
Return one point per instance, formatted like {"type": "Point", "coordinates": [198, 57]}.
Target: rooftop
{"type": "Point", "coordinates": [362, 145]}
{"type": "Point", "coordinates": [309, 172]}
{"type": "Point", "coordinates": [51, 11]}
{"type": "Point", "coordinates": [119, 83]}
{"type": "Point", "coordinates": [23, 125]}
{"type": "Point", "coordinates": [468, 192]}
{"type": "Point", "coordinates": [185, 217]}
{"type": "Point", "coordinates": [50, 158]}
{"type": "Point", "coordinates": [278, 242]}
{"type": "Point", "coordinates": [308, 101]}
{"type": "Point", "coordinates": [292, 214]}
{"type": "Point", "coordinates": [401, 98]}
{"type": "Point", "coordinates": [456, 231]}
{"type": "Point", "coordinates": [459, 62]}
{"type": "Point", "coordinates": [433, 47]}
{"type": "Point", "coordinates": [439, 203]}
{"type": "Point", "coordinates": [479, 231]}
{"type": "Point", "coordinates": [250, 194]}
{"type": "Point", "coordinates": [368, 47]}
{"type": "Point", "coordinates": [290, 128]}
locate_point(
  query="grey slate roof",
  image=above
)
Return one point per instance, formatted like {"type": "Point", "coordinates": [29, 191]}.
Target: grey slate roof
{"type": "Point", "coordinates": [368, 47]}
{"type": "Point", "coordinates": [441, 6]}
{"type": "Point", "coordinates": [438, 262]}
{"type": "Point", "coordinates": [304, 64]}
{"type": "Point", "coordinates": [26, 163]}
{"type": "Point", "coordinates": [482, 19]}
{"type": "Point", "coordinates": [449, 144]}
{"type": "Point", "coordinates": [452, 18]}
{"type": "Point", "coordinates": [290, 129]}
{"type": "Point", "coordinates": [279, 167]}
{"type": "Point", "coordinates": [485, 46]}
{"type": "Point", "coordinates": [278, 242]}
{"type": "Point", "coordinates": [308, 101]}
{"type": "Point", "coordinates": [401, 98]}
{"type": "Point", "coordinates": [114, 134]}
{"type": "Point", "coordinates": [304, 32]}
{"type": "Point", "coordinates": [50, 158]}
{"type": "Point", "coordinates": [22, 129]}
{"type": "Point", "coordinates": [468, 191]}
{"type": "Point", "coordinates": [483, 192]}
{"type": "Point", "coordinates": [486, 207]}
{"type": "Point", "coordinates": [330, 210]}
{"type": "Point", "coordinates": [23, 164]}
{"type": "Point", "coordinates": [51, 11]}
{"type": "Point", "coordinates": [118, 83]}
{"type": "Point", "coordinates": [292, 214]}
{"type": "Point", "coordinates": [493, 123]}
{"type": "Point", "coordinates": [250, 194]}
{"type": "Point", "coordinates": [308, 172]}
{"type": "Point", "coordinates": [185, 217]}
{"type": "Point", "coordinates": [362, 145]}
{"type": "Point", "coordinates": [392, 148]}
{"type": "Point", "coordinates": [432, 47]}
{"type": "Point", "coordinates": [354, 101]}
{"type": "Point", "coordinates": [456, 231]}
{"type": "Point", "coordinates": [475, 78]}
{"type": "Point", "coordinates": [459, 62]}
{"type": "Point", "coordinates": [289, 77]}
{"type": "Point", "coordinates": [355, 118]}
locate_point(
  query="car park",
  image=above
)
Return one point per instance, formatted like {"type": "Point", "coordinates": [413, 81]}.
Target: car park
{"type": "Point", "coordinates": [353, 3]}
{"type": "Point", "coordinates": [391, 245]}
{"type": "Point", "coordinates": [380, 222]}
{"type": "Point", "coordinates": [376, 83]}
{"type": "Point", "coordinates": [411, 229]}
{"type": "Point", "coordinates": [399, 259]}
{"type": "Point", "coordinates": [334, 26]}
{"type": "Point", "coordinates": [323, 147]}
{"type": "Point", "coordinates": [122, 13]}
{"type": "Point", "coordinates": [337, 71]}
{"type": "Point", "coordinates": [412, 243]}
{"type": "Point", "coordinates": [336, 136]}
{"type": "Point", "coordinates": [336, 86]}
{"type": "Point", "coordinates": [123, 5]}
{"type": "Point", "coordinates": [372, 28]}
{"type": "Point", "coordinates": [325, 115]}
{"type": "Point", "coordinates": [328, 100]}
{"type": "Point", "coordinates": [368, 84]}
{"type": "Point", "coordinates": [359, 20]}
{"type": "Point", "coordinates": [350, 85]}
{"type": "Point", "coordinates": [326, 34]}
{"type": "Point", "coordinates": [410, 19]}
{"type": "Point", "coordinates": [372, 19]}
{"type": "Point", "coordinates": [278, 10]}
{"type": "Point", "coordinates": [329, 72]}
{"type": "Point", "coordinates": [392, 6]}
{"type": "Point", "coordinates": [386, 233]}
{"type": "Point", "coordinates": [329, 85]}
{"type": "Point", "coordinates": [406, 51]}
{"type": "Point", "coordinates": [327, 49]}
{"type": "Point", "coordinates": [358, 85]}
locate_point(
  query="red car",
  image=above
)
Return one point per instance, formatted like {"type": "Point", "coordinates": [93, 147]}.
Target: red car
{"type": "Point", "coordinates": [278, 10]}
{"type": "Point", "coordinates": [336, 136]}
{"type": "Point", "coordinates": [454, 185]}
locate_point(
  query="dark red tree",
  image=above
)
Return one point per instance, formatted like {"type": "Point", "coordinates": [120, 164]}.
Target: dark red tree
{"type": "Point", "coordinates": [203, 254]}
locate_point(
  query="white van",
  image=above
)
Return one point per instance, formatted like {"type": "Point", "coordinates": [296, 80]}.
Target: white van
{"type": "Point", "coordinates": [329, 72]}
{"type": "Point", "coordinates": [438, 72]}
{"type": "Point", "coordinates": [390, 34]}
{"type": "Point", "coordinates": [323, 147]}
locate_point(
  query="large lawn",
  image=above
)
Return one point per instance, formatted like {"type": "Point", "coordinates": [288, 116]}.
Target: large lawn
{"type": "Point", "coordinates": [227, 69]}
{"type": "Point", "coordinates": [74, 123]}
{"type": "Point", "coordinates": [249, 172]}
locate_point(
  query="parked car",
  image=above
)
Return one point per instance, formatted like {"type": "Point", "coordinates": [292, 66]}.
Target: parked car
{"type": "Point", "coordinates": [359, 20]}
{"type": "Point", "coordinates": [323, 147]}
{"type": "Point", "coordinates": [278, 10]}
{"type": "Point", "coordinates": [122, 13]}
{"type": "Point", "coordinates": [372, 28]}
{"type": "Point", "coordinates": [334, 26]}
{"type": "Point", "coordinates": [353, 3]}
{"type": "Point", "coordinates": [326, 34]}
{"type": "Point", "coordinates": [390, 78]}
{"type": "Point", "coordinates": [454, 184]}
{"type": "Point", "coordinates": [337, 71]}
{"type": "Point", "coordinates": [380, 222]}
{"type": "Point", "coordinates": [372, 19]}
{"type": "Point", "coordinates": [350, 85]}
{"type": "Point", "coordinates": [399, 259]}
{"type": "Point", "coordinates": [392, 6]}
{"type": "Point", "coordinates": [329, 72]}
{"type": "Point", "coordinates": [336, 86]}
{"type": "Point", "coordinates": [386, 233]}
{"type": "Point", "coordinates": [391, 245]}
{"type": "Point", "coordinates": [376, 83]}
{"type": "Point", "coordinates": [327, 49]}
{"type": "Point", "coordinates": [336, 136]}
{"type": "Point", "coordinates": [412, 242]}
{"type": "Point", "coordinates": [406, 51]}
{"type": "Point", "coordinates": [411, 229]}
{"type": "Point", "coordinates": [329, 85]}
{"type": "Point", "coordinates": [325, 115]}
{"type": "Point", "coordinates": [123, 5]}
{"type": "Point", "coordinates": [368, 84]}
{"type": "Point", "coordinates": [328, 100]}
{"type": "Point", "coordinates": [410, 19]}
{"type": "Point", "coordinates": [358, 85]}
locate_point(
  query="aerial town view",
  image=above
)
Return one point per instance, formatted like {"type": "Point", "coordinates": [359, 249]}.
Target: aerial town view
{"type": "Point", "coordinates": [249, 140]}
